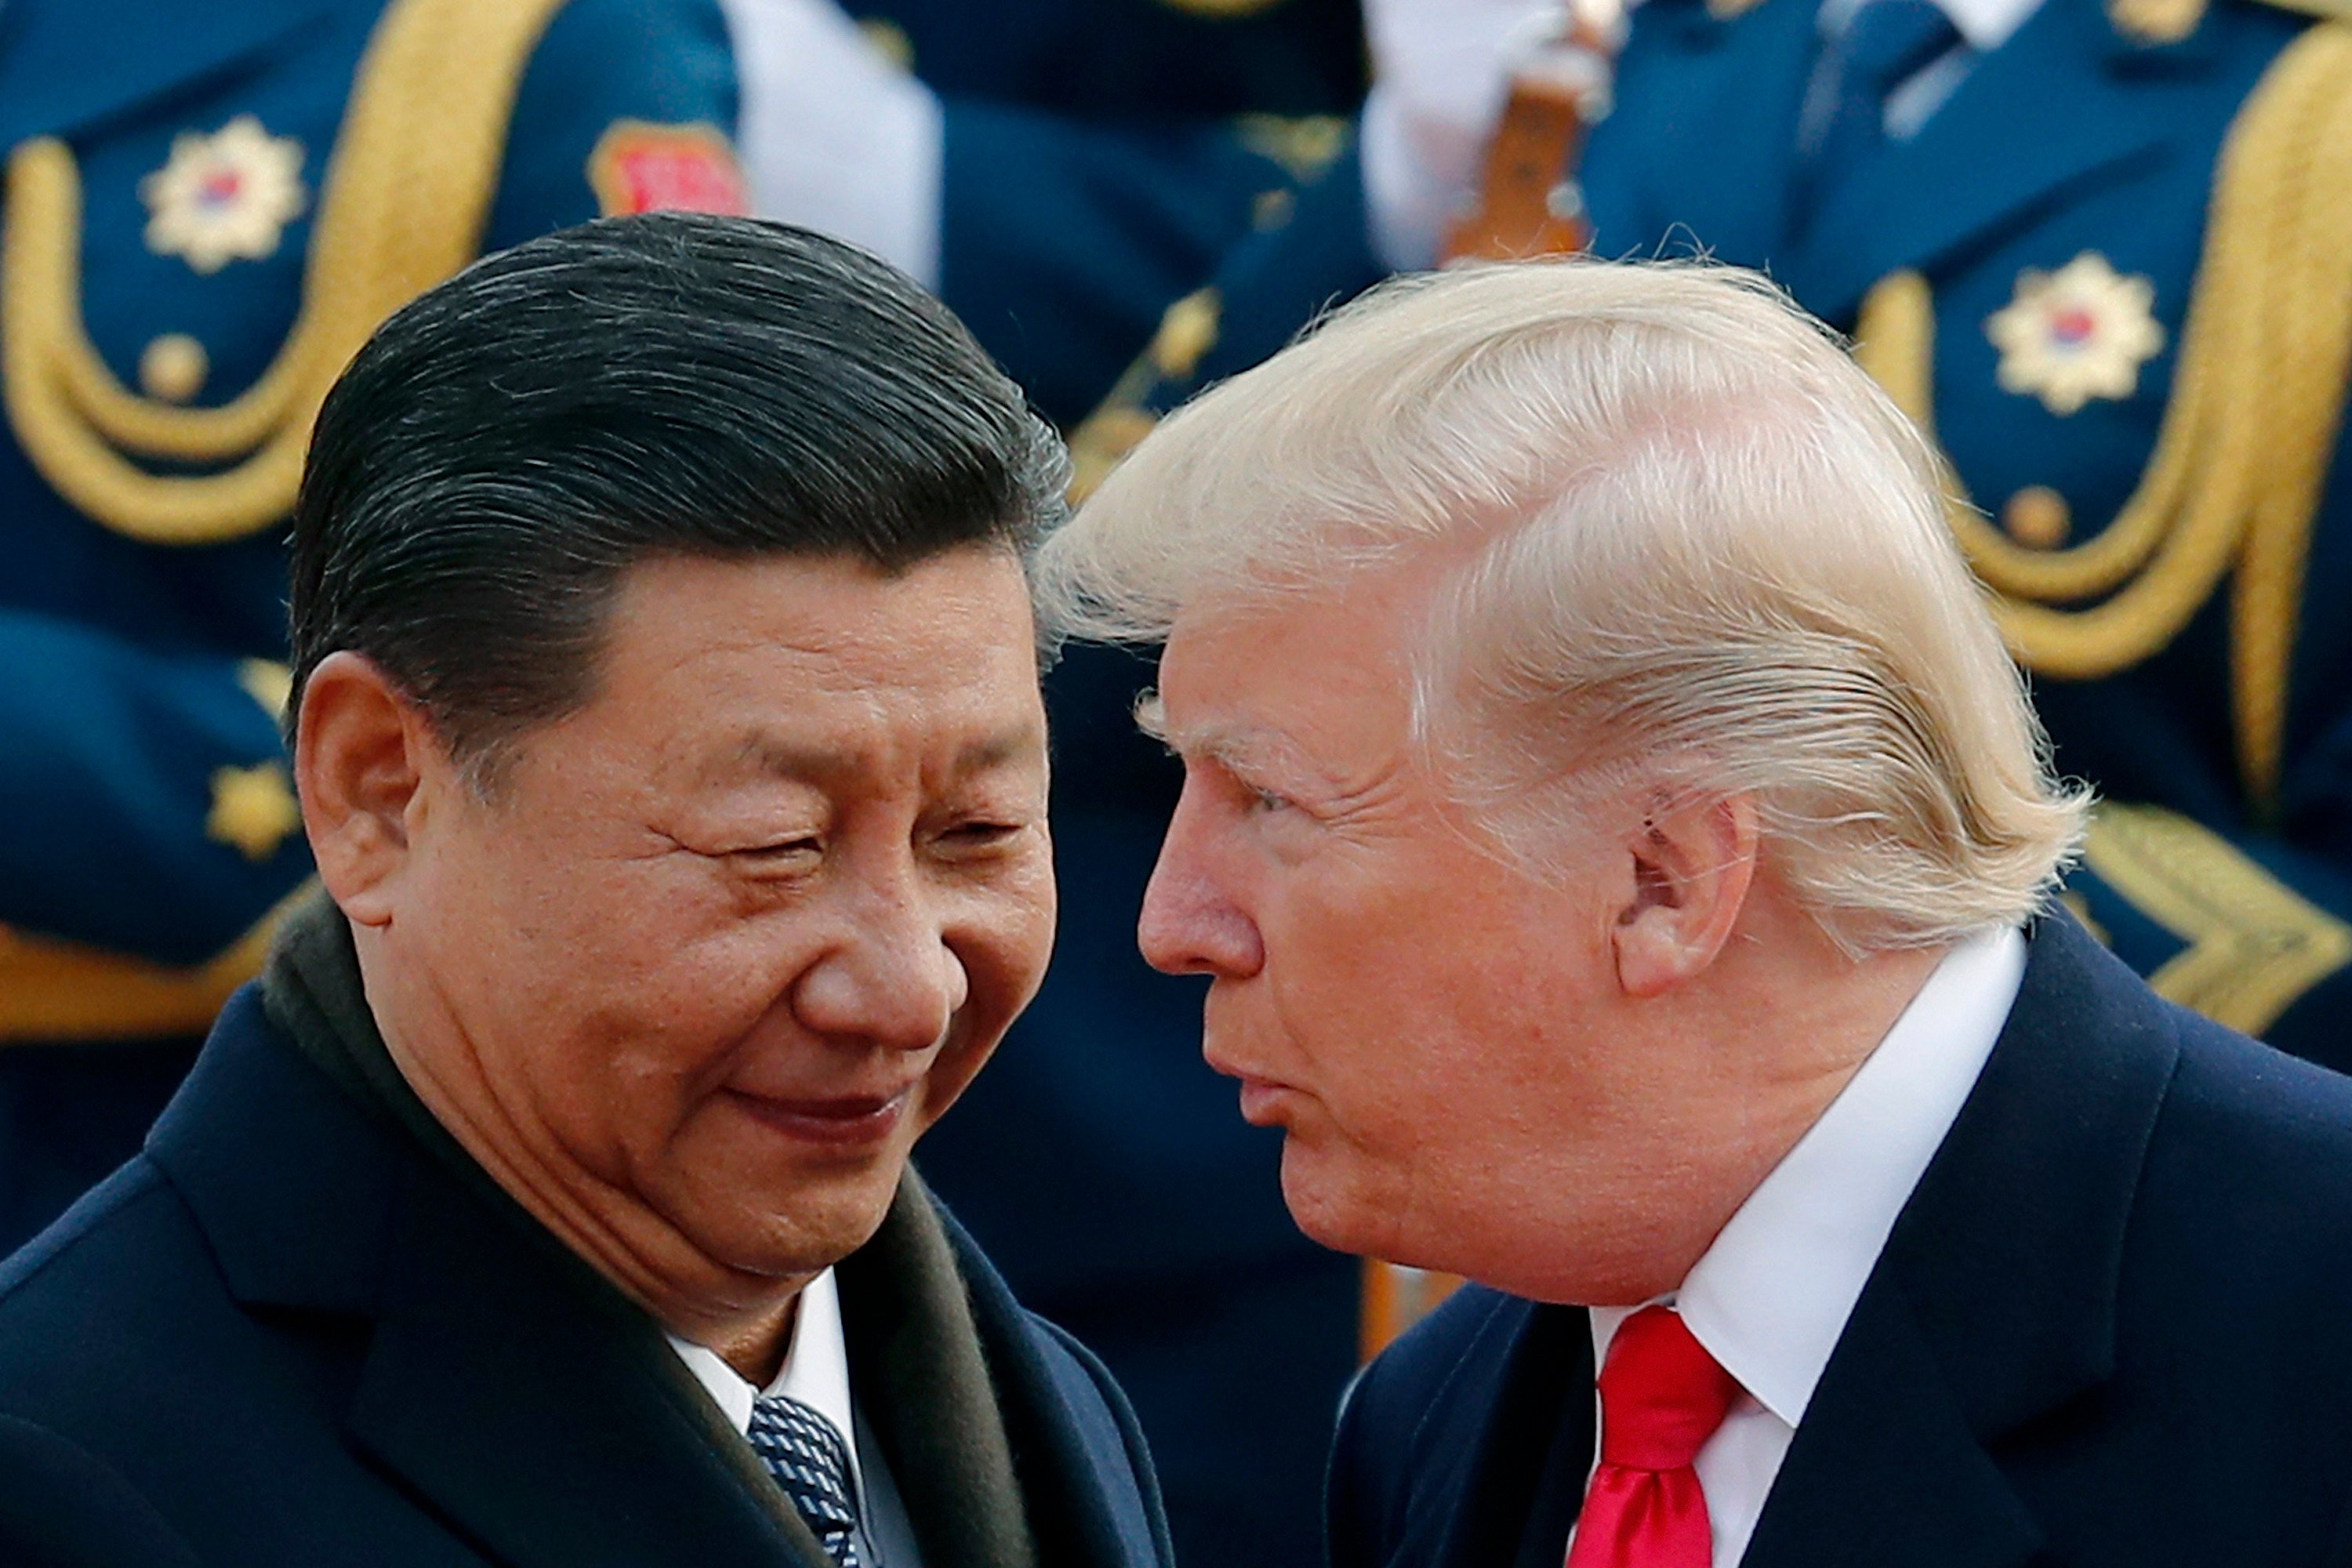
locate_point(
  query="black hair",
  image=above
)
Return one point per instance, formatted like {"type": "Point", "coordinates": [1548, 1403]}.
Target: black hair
{"type": "Point", "coordinates": [506, 445]}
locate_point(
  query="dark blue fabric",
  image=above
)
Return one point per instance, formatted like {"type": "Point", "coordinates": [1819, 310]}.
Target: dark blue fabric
{"type": "Point", "coordinates": [119, 697]}
{"type": "Point", "coordinates": [2113, 1325]}
{"type": "Point", "coordinates": [1136, 61]}
{"type": "Point", "coordinates": [1886, 41]}
{"type": "Point", "coordinates": [287, 1335]}
{"type": "Point", "coordinates": [1100, 158]}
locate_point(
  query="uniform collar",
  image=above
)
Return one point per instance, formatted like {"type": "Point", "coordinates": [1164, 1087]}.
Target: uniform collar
{"type": "Point", "coordinates": [1984, 24]}
{"type": "Point", "coordinates": [1771, 1295]}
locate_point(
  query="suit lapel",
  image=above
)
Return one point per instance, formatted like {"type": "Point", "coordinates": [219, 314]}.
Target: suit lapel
{"type": "Point", "coordinates": [1993, 1304]}
{"type": "Point", "coordinates": [1884, 1469]}
{"type": "Point", "coordinates": [1974, 170]}
{"type": "Point", "coordinates": [540, 1415]}
{"type": "Point", "coordinates": [1513, 1453]}
{"type": "Point", "coordinates": [548, 1429]}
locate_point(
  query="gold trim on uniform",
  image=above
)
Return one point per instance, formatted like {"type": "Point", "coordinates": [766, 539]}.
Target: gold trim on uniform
{"type": "Point", "coordinates": [2255, 945]}
{"type": "Point", "coordinates": [1304, 144]}
{"type": "Point", "coordinates": [403, 205]}
{"type": "Point", "coordinates": [1188, 330]}
{"type": "Point", "coordinates": [2155, 22]}
{"type": "Point", "coordinates": [2233, 487]}
{"type": "Point", "coordinates": [55, 990]}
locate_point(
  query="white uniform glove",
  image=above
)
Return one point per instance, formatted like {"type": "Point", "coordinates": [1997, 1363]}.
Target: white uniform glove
{"type": "Point", "coordinates": [1441, 71]}
{"type": "Point", "coordinates": [833, 135]}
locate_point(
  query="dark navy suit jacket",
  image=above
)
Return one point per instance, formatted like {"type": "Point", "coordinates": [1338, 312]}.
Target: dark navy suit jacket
{"type": "Point", "coordinates": [287, 1333]}
{"type": "Point", "coordinates": [2113, 1325]}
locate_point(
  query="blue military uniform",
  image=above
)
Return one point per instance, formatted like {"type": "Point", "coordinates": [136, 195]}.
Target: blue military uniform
{"type": "Point", "coordinates": [1102, 156]}
{"type": "Point", "coordinates": [207, 208]}
{"type": "Point", "coordinates": [2106, 273]}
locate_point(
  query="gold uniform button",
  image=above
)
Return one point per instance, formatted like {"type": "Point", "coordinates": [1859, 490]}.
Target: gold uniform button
{"type": "Point", "coordinates": [174, 367]}
{"type": "Point", "coordinates": [2037, 516]}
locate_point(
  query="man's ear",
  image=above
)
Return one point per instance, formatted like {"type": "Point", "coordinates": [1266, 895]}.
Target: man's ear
{"type": "Point", "coordinates": [362, 754]}
{"type": "Point", "coordinates": [1692, 866]}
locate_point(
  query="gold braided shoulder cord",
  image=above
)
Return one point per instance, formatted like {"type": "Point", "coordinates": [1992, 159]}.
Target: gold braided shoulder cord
{"type": "Point", "coordinates": [2257, 401]}
{"type": "Point", "coordinates": [407, 195]}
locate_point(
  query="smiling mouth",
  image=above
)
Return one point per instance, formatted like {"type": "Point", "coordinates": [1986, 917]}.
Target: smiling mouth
{"type": "Point", "coordinates": [846, 1122]}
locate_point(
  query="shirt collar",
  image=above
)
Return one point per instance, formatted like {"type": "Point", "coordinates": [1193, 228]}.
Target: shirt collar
{"type": "Point", "coordinates": [815, 1370]}
{"type": "Point", "coordinates": [1984, 24]}
{"type": "Point", "coordinates": [1771, 1297]}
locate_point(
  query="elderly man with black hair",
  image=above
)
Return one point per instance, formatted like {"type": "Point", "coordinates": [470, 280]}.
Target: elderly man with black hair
{"type": "Point", "coordinates": [1621, 852]}
{"type": "Point", "coordinates": [667, 731]}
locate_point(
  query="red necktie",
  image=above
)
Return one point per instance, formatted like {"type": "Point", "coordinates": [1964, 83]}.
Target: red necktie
{"type": "Point", "coordinates": [1662, 1397]}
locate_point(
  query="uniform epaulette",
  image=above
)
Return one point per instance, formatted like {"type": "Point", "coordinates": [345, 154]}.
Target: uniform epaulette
{"type": "Point", "coordinates": [415, 167]}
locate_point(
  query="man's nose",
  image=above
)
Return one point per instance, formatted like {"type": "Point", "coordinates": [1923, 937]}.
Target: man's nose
{"type": "Point", "coordinates": [889, 979]}
{"type": "Point", "coordinates": [1190, 925]}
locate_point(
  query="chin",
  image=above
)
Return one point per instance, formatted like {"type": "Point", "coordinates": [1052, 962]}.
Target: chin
{"type": "Point", "coordinates": [1332, 1206]}
{"type": "Point", "coordinates": [803, 1229]}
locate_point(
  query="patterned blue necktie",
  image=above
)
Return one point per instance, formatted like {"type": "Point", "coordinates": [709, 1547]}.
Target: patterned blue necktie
{"type": "Point", "coordinates": [806, 1455]}
{"type": "Point", "coordinates": [1885, 44]}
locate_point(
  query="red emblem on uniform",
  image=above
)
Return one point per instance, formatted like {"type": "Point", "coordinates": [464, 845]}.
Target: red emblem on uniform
{"type": "Point", "coordinates": [640, 167]}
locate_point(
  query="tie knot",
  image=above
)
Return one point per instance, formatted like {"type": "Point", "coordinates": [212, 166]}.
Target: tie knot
{"type": "Point", "coordinates": [1662, 1396]}
{"type": "Point", "coordinates": [1889, 39]}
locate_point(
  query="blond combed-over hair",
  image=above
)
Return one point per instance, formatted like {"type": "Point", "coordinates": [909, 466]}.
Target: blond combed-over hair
{"type": "Point", "coordinates": [1673, 535]}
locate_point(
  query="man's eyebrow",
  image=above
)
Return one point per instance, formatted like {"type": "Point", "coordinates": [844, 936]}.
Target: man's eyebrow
{"type": "Point", "coordinates": [1249, 749]}
{"type": "Point", "coordinates": [781, 756]}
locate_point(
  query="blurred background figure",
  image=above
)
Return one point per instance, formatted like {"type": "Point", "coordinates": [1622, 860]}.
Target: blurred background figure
{"type": "Point", "coordinates": [1058, 170]}
{"type": "Point", "coordinates": [1064, 172]}
{"type": "Point", "coordinates": [208, 208]}
{"type": "Point", "coordinates": [2095, 247]}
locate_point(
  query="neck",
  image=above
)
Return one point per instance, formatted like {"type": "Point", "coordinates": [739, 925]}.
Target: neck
{"type": "Point", "coordinates": [1795, 1019]}
{"type": "Point", "coordinates": [1737, 1065]}
{"type": "Point", "coordinates": [746, 1318]}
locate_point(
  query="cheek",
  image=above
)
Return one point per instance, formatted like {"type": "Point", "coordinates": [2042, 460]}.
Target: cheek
{"type": "Point", "coordinates": [1002, 935]}
{"type": "Point", "coordinates": [1441, 993]}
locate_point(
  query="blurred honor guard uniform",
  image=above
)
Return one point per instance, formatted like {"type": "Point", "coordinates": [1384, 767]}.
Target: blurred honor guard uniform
{"type": "Point", "coordinates": [207, 208]}
{"type": "Point", "coordinates": [2097, 248]}
{"type": "Point", "coordinates": [1058, 170]}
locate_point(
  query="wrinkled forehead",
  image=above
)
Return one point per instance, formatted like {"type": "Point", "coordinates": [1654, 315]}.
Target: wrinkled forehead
{"type": "Point", "coordinates": [809, 667]}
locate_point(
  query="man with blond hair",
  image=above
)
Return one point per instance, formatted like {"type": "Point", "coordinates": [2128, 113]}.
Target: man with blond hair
{"type": "Point", "coordinates": [1623, 858]}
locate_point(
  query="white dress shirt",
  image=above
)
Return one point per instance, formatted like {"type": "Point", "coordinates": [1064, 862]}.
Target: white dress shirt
{"type": "Point", "coordinates": [1769, 1299]}
{"type": "Point", "coordinates": [816, 1372]}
